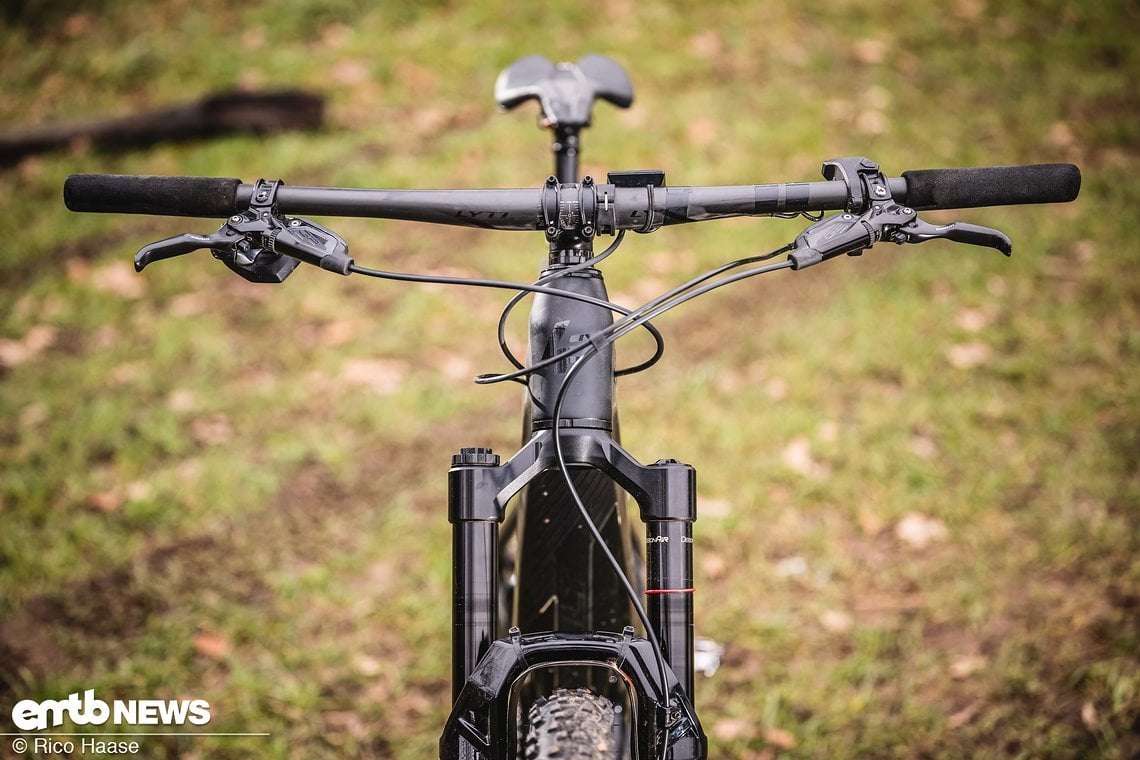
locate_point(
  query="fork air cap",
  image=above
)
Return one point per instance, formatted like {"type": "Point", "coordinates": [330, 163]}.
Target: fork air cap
{"type": "Point", "coordinates": [480, 456]}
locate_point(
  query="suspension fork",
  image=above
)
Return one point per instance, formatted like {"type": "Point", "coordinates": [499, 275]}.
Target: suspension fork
{"type": "Point", "coordinates": [480, 487]}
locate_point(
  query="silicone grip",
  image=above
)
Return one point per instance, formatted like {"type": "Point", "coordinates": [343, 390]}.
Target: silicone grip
{"type": "Point", "coordinates": [140, 194]}
{"type": "Point", "coordinates": [991, 186]}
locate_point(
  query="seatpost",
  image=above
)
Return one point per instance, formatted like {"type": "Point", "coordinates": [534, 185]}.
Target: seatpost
{"type": "Point", "coordinates": [565, 149]}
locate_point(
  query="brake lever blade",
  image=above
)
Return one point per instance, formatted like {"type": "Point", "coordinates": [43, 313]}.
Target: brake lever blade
{"type": "Point", "coordinates": [918, 231]}
{"type": "Point", "coordinates": [983, 236]}
{"type": "Point", "coordinates": [178, 245]}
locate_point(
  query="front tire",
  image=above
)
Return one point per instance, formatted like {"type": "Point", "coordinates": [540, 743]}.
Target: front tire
{"type": "Point", "coordinates": [573, 724]}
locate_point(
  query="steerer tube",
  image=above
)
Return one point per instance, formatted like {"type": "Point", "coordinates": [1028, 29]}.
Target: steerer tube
{"type": "Point", "coordinates": [556, 325]}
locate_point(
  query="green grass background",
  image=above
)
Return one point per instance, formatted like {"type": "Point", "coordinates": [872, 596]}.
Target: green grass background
{"type": "Point", "coordinates": [215, 490]}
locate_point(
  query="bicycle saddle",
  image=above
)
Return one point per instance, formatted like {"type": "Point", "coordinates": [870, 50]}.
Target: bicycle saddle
{"type": "Point", "coordinates": [565, 91]}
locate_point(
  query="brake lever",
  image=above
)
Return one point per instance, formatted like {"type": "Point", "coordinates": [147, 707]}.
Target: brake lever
{"type": "Point", "coordinates": [918, 231]}
{"type": "Point", "coordinates": [854, 233]}
{"type": "Point", "coordinates": [258, 243]}
{"type": "Point", "coordinates": [241, 244]}
{"type": "Point", "coordinates": [180, 245]}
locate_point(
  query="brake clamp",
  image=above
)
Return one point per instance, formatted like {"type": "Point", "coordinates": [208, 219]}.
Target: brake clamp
{"type": "Point", "coordinates": [866, 184]}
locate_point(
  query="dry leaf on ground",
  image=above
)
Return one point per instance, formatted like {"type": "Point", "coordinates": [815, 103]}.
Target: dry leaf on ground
{"type": "Point", "coordinates": [919, 531]}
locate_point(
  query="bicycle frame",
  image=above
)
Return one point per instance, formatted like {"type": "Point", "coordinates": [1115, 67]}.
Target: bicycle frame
{"type": "Point", "coordinates": [479, 490]}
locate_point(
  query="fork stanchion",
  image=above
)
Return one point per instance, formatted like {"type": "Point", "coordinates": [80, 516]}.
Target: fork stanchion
{"type": "Point", "coordinates": [475, 530]}
{"type": "Point", "coordinates": [669, 567]}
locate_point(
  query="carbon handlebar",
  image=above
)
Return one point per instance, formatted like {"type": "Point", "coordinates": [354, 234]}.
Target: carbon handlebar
{"type": "Point", "coordinates": [614, 206]}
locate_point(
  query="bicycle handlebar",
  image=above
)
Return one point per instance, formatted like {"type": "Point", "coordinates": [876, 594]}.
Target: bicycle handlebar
{"type": "Point", "coordinates": [615, 207]}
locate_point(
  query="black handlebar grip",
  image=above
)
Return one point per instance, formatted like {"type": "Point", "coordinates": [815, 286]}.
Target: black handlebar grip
{"type": "Point", "coordinates": [992, 186]}
{"type": "Point", "coordinates": [141, 194]}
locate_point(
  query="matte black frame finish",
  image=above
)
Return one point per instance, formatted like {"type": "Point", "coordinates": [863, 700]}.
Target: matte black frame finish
{"type": "Point", "coordinates": [480, 487]}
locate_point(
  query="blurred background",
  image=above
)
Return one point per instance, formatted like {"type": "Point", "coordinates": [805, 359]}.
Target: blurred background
{"type": "Point", "coordinates": [918, 469]}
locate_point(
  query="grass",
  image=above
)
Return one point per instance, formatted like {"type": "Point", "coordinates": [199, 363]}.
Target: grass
{"type": "Point", "coordinates": [918, 477]}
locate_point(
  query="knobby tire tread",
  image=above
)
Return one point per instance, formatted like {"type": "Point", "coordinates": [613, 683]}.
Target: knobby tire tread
{"type": "Point", "coordinates": [571, 724]}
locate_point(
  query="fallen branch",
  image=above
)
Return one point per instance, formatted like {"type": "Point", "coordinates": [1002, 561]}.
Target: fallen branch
{"type": "Point", "coordinates": [219, 114]}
